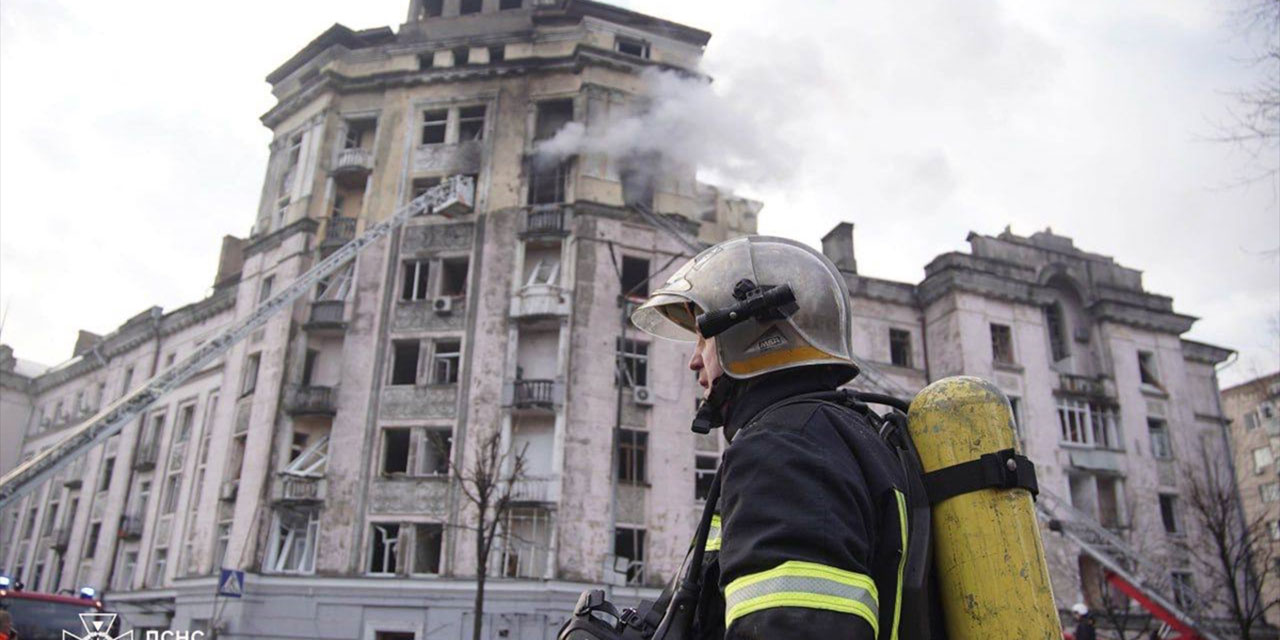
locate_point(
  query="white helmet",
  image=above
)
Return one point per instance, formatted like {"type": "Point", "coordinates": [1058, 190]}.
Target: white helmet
{"type": "Point", "coordinates": [1079, 609]}
{"type": "Point", "coordinates": [816, 332]}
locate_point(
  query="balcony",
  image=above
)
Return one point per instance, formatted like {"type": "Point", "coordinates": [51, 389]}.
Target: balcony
{"type": "Point", "coordinates": [131, 527]}
{"type": "Point", "coordinates": [536, 489]}
{"type": "Point", "coordinates": [533, 394]}
{"type": "Point", "coordinates": [295, 489]}
{"type": "Point", "coordinates": [352, 167]}
{"type": "Point", "coordinates": [540, 300]}
{"type": "Point", "coordinates": [544, 221]}
{"type": "Point", "coordinates": [61, 538]}
{"type": "Point", "coordinates": [73, 481]}
{"type": "Point", "coordinates": [1081, 385]}
{"type": "Point", "coordinates": [326, 317]}
{"type": "Point", "coordinates": [148, 453]}
{"type": "Point", "coordinates": [338, 230]}
{"type": "Point", "coordinates": [304, 400]}
{"type": "Point", "coordinates": [227, 492]}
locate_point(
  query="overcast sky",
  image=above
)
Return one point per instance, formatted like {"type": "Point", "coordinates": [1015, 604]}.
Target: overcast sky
{"type": "Point", "coordinates": [130, 144]}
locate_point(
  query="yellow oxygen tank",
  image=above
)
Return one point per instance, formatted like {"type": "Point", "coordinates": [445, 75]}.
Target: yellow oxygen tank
{"type": "Point", "coordinates": [993, 579]}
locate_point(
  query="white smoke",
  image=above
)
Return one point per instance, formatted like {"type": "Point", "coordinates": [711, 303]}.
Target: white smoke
{"type": "Point", "coordinates": [685, 122]}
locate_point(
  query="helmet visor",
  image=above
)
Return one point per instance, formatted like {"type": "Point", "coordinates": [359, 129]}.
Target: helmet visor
{"type": "Point", "coordinates": [667, 316]}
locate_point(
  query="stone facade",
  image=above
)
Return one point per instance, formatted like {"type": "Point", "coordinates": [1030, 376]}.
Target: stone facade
{"type": "Point", "coordinates": [315, 455]}
{"type": "Point", "coordinates": [1253, 408]}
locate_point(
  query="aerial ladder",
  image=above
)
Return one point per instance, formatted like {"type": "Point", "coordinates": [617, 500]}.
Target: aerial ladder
{"type": "Point", "coordinates": [1124, 567]}
{"type": "Point", "coordinates": [451, 197]}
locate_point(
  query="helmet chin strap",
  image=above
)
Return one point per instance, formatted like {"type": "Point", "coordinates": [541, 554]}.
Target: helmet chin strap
{"type": "Point", "coordinates": [711, 414]}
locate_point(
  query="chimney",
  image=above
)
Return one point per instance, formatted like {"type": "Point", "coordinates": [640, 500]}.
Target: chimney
{"type": "Point", "coordinates": [837, 245]}
{"type": "Point", "coordinates": [230, 262]}
{"type": "Point", "coordinates": [85, 341]}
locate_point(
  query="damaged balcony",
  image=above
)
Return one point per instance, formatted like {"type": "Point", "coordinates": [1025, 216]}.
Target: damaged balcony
{"type": "Point", "coordinates": [540, 301]}
{"type": "Point", "coordinates": [352, 167]}
{"type": "Point", "coordinates": [326, 317]}
{"type": "Point", "coordinates": [1082, 386]}
{"type": "Point", "coordinates": [534, 394]}
{"type": "Point", "coordinates": [545, 221]}
{"type": "Point", "coordinates": [306, 400]}
{"type": "Point", "coordinates": [61, 538]}
{"type": "Point", "coordinates": [296, 489]}
{"type": "Point", "coordinates": [131, 527]}
{"type": "Point", "coordinates": [338, 230]}
{"type": "Point", "coordinates": [146, 458]}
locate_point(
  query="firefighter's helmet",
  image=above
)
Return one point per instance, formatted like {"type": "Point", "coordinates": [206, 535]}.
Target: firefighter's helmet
{"type": "Point", "coordinates": [817, 332]}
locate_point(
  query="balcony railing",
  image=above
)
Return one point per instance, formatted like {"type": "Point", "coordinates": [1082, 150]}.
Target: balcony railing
{"type": "Point", "coordinates": [131, 527]}
{"type": "Point", "coordinates": [544, 221]}
{"type": "Point", "coordinates": [352, 166]}
{"type": "Point", "coordinates": [73, 481]}
{"type": "Point", "coordinates": [299, 489]}
{"type": "Point", "coordinates": [61, 538]}
{"type": "Point", "coordinates": [338, 230]}
{"type": "Point", "coordinates": [536, 489]}
{"type": "Point", "coordinates": [1081, 385]}
{"type": "Point", "coordinates": [540, 300]}
{"type": "Point", "coordinates": [534, 394]}
{"type": "Point", "coordinates": [303, 400]}
{"type": "Point", "coordinates": [147, 455]}
{"type": "Point", "coordinates": [326, 315]}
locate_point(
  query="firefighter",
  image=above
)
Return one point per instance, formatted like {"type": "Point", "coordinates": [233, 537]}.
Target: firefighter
{"type": "Point", "coordinates": [810, 537]}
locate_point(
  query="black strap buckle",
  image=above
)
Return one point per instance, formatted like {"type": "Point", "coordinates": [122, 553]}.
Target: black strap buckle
{"type": "Point", "coordinates": [1000, 470]}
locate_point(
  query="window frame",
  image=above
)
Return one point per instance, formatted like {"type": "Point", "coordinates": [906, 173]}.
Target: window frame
{"type": "Point", "coordinates": [638, 543]}
{"type": "Point", "coordinates": [704, 475]}
{"type": "Point", "coordinates": [384, 451]}
{"type": "Point", "coordinates": [390, 548]}
{"type": "Point", "coordinates": [1002, 351]}
{"type": "Point", "coordinates": [631, 356]}
{"type": "Point", "coordinates": [439, 529]}
{"type": "Point", "coordinates": [415, 280]}
{"type": "Point", "coordinates": [393, 368]}
{"type": "Point", "coordinates": [280, 557]}
{"type": "Point", "coordinates": [900, 354]}
{"type": "Point", "coordinates": [1158, 432]}
{"type": "Point", "coordinates": [633, 456]}
{"type": "Point", "coordinates": [621, 41]}
{"type": "Point", "coordinates": [1170, 516]}
{"type": "Point", "coordinates": [471, 121]}
{"type": "Point", "coordinates": [451, 360]}
{"type": "Point", "coordinates": [431, 123]}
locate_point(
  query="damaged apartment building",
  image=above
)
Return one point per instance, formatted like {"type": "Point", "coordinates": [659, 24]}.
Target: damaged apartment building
{"type": "Point", "coordinates": [316, 455]}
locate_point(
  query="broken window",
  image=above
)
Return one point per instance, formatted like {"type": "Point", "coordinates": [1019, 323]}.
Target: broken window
{"type": "Point", "coordinates": [1158, 433]}
{"type": "Point", "coordinates": [552, 115]}
{"type": "Point", "coordinates": [426, 60]}
{"type": "Point", "coordinates": [1001, 344]}
{"type": "Point", "coordinates": [1057, 328]}
{"type": "Point", "coordinates": [633, 453]}
{"type": "Point", "coordinates": [704, 471]}
{"type": "Point", "coordinates": [628, 549]}
{"type": "Point", "coordinates": [453, 279]}
{"type": "Point", "coordinates": [383, 543]}
{"type": "Point", "coordinates": [307, 460]}
{"type": "Point", "coordinates": [360, 133]}
{"type": "Point", "coordinates": [470, 6]}
{"type": "Point", "coordinates": [159, 563]}
{"type": "Point", "coordinates": [1184, 591]}
{"type": "Point", "coordinates": [900, 347]}
{"type": "Point", "coordinates": [1262, 458]}
{"type": "Point", "coordinates": [186, 422]}
{"type": "Point", "coordinates": [545, 269]}
{"type": "Point", "coordinates": [433, 8]}
{"type": "Point", "coordinates": [445, 361]}
{"type": "Point", "coordinates": [395, 451]}
{"type": "Point", "coordinates": [91, 546]}
{"type": "Point", "coordinates": [297, 444]}
{"type": "Point", "coordinates": [309, 366]}
{"type": "Point", "coordinates": [435, 123]}
{"type": "Point", "coordinates": [461, 56]}
{"type": "Point", "coordinates": [437, 445]}
{"type": "Point", "coordinates": [504, 5]}
{"type": "Point", "coordinates": [404, 362]}
{"type": "Point", "coordinates": [633, 362]}
{"type": "Point", "coordinates": [547, 181]}
{"type": "Point", "coordinates": [631, 46]}
{"type": "Point", "coordinates": [428, 541]}
{"type": "Point", "coordinates": [1169, 513]}
{"type": "Point", "coordinates": [638, 173]}
{"type": "Point", "coordinates": [249, 381]}
{"type": "Point", "coordinates": [1088, 423]}
{"type": "Point", "coordinates": [635, 277]}
{"type": "Point", "coordinates": [471, 123]}
{"type": "Point", "coordinates": [172, 484]}
{"type": "Point", "coordinates": [497, 53]}
{"type": "Point", "coordinates": [293, 155]}
{"type": "Point", "coordinates": [128, 380]}
{"type": "Point", "coordinates": [292, 547]}
{"type": "Point", "coordinates": [108, 469]}
{"type": "Point", "coordinates": [1147, 368]}
{"type": "Point", "coordinates": [414, 286]}
{"type": "Point", "coordinates": [282, 212]}
{"type": "Point", "coordinates": [129, 564]}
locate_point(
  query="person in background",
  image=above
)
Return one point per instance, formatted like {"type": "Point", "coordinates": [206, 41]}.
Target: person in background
{"type": "Point", "coordinates": [1084, 622]}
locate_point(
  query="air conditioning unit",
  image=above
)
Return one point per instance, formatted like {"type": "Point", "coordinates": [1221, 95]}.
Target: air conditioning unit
{"type": "Point", "coordinates": [442, 306]}
{"type": "Point", "coordinates": [642, 396]}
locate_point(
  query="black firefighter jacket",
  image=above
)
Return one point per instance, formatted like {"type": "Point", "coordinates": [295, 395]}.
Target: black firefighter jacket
{"type": "Point", "coordinates": [810, 536]}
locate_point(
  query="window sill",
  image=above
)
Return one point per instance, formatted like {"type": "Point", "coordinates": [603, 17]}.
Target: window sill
{"type": "Point", "coordinates": [643, 485]}
{"type": "Point", "coordinates": [1152, 391]}
{"type": "Point", "coordinates": [1012, 367]}
{"type": "Point", "coordinates": [405, 477]}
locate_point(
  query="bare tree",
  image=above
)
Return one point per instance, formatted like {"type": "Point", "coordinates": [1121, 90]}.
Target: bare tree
{"type": "Point", "coordinates": [1234, 554]}
{"type": "Point", "coordinates": [489, 486]}
{"type": "Point", "coordinates": [1254, 122]}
